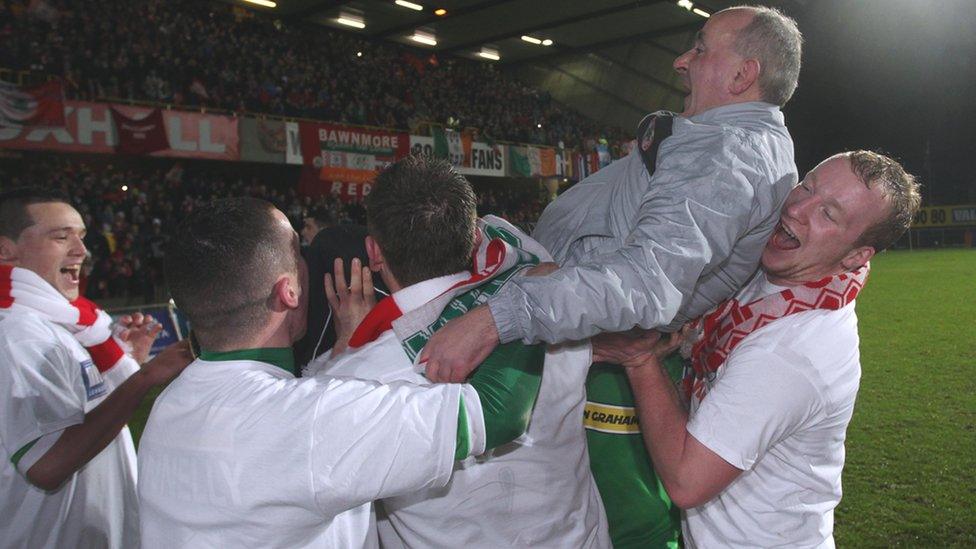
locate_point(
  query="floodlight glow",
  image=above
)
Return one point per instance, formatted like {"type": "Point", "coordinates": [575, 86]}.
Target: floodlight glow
{"type": "Point", "coordinates": [410, 5]}
{"type": "Point", "coordinates": [125, 188]}
{"type": "Point", "coordinates": [489, 53]}
{"type": "Point", "coordinates": [265, 3]}
{"type": "Point", "coordinates": [686, 4]}
{"type": "Point", "coordinates": [424, 38]}
{"type": "Point", "coordinates": [351, 22]}
{"type": "Point", "coordinates": [359, 54]}
{"type": "Point", "coordinates": [440, 12]}
{"type": "Point", "coordinates": [547, 42]}
{"type": "Point", "coordinates": [531, 40]}
{"type": "Point", "coordinates": [703, 13]}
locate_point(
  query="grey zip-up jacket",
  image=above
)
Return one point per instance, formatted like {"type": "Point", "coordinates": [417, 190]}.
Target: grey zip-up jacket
{"type": "Point", "coordinates": [657, 251]}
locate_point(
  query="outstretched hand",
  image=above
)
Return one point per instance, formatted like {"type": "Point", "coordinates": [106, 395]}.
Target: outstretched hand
{"type": "Point", "coordinates": [455, 350]}
{"type": "Point", "coordinates": [349, 302]}
{"type": "Point", "coordinates": [635, 348]}
{"type": "Point", "coordinates": [139, 331]}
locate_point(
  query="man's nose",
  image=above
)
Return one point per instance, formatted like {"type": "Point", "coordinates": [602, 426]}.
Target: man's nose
{"type": "Point", "coordinates": [681, 62]}
{"type": "Point", "coordinates": [798, 208]}
{"type": "Point", "coordinates": [78, 246]}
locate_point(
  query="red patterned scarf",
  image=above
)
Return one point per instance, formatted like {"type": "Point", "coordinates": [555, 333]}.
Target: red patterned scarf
{"type": "Point", "coordinates": [729, 323]}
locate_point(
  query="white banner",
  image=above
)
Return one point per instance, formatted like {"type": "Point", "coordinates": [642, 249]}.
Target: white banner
{"type": "Point", "coordinates": [293, 149]}
{"type": "Point", "coordinates": [487, 160]}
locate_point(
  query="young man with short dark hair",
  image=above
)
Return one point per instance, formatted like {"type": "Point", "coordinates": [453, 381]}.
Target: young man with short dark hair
{"type": "Point", "coordinates": [67, 386]}
{"type": "Point", "coordinates": [533, 492]}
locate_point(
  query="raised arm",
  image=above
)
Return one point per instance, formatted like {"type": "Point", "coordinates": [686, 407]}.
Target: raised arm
{"type": "Point", "coordinates": [682, 231]}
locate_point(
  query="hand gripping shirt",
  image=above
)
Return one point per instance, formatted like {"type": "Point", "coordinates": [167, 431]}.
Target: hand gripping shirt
{"type": "Point", "coordinates": [48, 383]}
{"type": "Point", "coordinates": [534, 492]}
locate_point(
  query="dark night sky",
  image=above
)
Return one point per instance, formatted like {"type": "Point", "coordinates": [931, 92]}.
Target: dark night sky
{"type": "Point", "coordinates": [897, 76]}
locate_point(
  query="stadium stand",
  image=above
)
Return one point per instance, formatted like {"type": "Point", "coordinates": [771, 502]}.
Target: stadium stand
{"type": "Point", "coordinates": [210, 56]}
{"type": "Point", "coordinates": [206, 54]}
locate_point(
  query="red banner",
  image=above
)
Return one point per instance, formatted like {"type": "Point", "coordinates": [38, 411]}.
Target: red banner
{"type": "Point", "coordinates": [38, 106]}
{"type": "Point", "coordinates": [311, 184]}
{"type": "Point", "coordinates": [349, 154]}
{"type": "Point", "coordinates": [142, 136]}
{"type": "Point", "coordinates": [89, 128]}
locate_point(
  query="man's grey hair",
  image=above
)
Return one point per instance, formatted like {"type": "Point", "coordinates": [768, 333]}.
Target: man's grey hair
{"type": "Point", "coordinates": [775, 41]}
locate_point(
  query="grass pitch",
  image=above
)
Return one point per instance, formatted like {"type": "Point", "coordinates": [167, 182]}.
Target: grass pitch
{"type": "Point", "coordinates": [910, 477]}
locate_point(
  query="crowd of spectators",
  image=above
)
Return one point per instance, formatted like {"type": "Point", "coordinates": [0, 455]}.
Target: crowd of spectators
{"type": "Point", "coordinates": [130, 209]}
{"type": "Point", "coordinates": [196, 53]}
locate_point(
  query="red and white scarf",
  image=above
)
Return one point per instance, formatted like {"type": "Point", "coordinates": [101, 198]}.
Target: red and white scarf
{"type": "Point", "coordinates": [23, 289]}
{"type": "Point", "coordinates": [729, 323]}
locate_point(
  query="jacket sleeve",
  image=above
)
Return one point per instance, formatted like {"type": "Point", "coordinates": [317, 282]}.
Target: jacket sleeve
{"type": "Point", "coordinates": [686, 224]}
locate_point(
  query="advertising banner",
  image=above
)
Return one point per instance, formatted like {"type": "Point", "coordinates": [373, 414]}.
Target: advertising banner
{"type": "Point", "coordinates": [484, 159]}
{"type": "Point", "coordinates": [89, 128]}
{"type": "Point", "coordinates": [945, 216]}
{"type": "Point", "coordinates": [487, 160]}
{"type": "Point", "coordinates": [349, 154]}
{"type": "Point", "coordinates": [262, 140]}
{"type": "Point", "coordinates": [310, 183]}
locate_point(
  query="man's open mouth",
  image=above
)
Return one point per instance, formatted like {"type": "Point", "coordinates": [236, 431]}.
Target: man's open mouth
{"type": "Point", "coordinates": [784, 239]}
{"type": "Point", "coordinates": [72, 273]}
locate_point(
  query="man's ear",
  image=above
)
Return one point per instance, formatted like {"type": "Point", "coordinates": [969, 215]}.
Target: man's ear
{"type": "Point", "coordinates": [285, 294]}
{"type": "Point", "coordinates": [375, 254]}
{"type": "Point", "coordinates": [857, 257]}
{"type": "Point", "coordinates": [9, 251]}
{"type": "Point", "coordinates": [477, 237]}
{"type": "Point", "coordinates": [745, 77]}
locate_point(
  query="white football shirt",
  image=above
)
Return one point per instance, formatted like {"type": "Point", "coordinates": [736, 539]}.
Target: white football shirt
{"type": "Point", "coordinates": [47, 384]}
{"type": "Point", "coordinates": [242, 454]}
{"type": "Point", "coordinates": [778, 409]}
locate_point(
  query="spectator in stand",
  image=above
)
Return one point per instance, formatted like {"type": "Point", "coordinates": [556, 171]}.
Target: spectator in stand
{"type": "Point", "coordinates": [314, 221]}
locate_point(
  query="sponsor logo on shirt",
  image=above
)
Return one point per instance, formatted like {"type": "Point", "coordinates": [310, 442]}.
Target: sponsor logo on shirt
{"type": "Point", "coordinates": [606, 418]}
{"type": "Point", "coordinates": [94, 383]}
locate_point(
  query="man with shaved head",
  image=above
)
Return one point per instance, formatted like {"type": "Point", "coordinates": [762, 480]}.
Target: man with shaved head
{"type": "Point", "coordinates": [655, 239]}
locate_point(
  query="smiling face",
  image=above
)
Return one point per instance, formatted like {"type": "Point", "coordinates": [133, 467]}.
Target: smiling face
{"type": "Point", "coordinates": [52, 247]}
{"type": "Point", "coordinates": [709, 68]}
{"type": "Point", "coordinates": [820, 225]}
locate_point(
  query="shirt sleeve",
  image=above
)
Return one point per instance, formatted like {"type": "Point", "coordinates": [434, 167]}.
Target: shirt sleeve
{"type": "Point", "coordinates": [686, 225]}
{"type": "Point", "coordinates": [42, 394]}
{"type": "Point", "coordinates": [759, 398]}
{"type": "Point", "coordinates": [372, 441]}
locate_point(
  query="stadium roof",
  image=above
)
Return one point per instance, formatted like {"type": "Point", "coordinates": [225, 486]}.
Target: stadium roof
{"type": "Point", "coordinates": [610, 59]}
